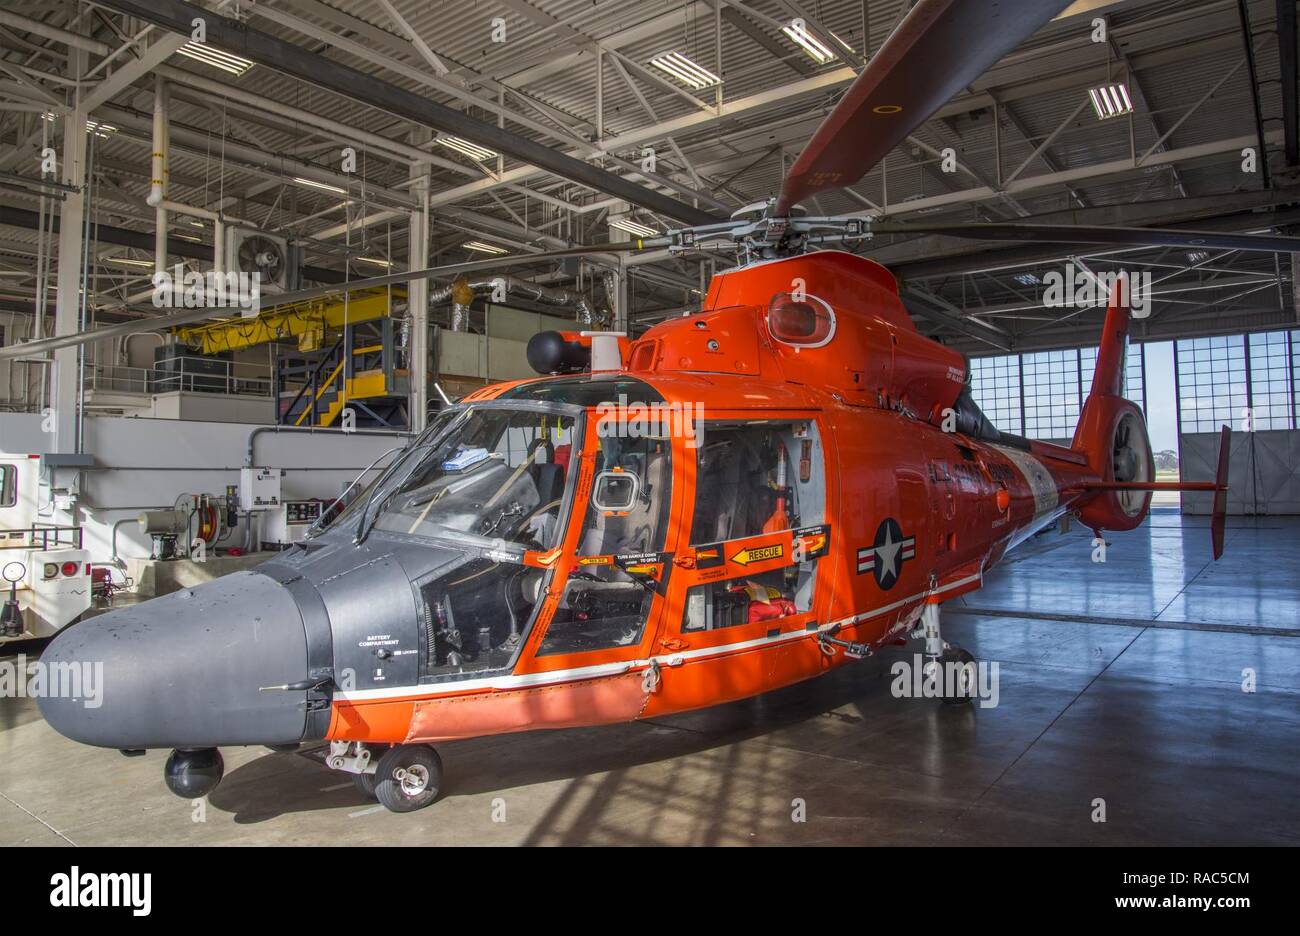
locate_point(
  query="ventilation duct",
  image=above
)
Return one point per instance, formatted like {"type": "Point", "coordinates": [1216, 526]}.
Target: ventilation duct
{"type": "Point", "coordinates": [462, 292]}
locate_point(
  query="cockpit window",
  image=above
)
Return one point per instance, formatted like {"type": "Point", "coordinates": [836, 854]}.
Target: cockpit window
{"type": "Point", "coordinates": [635, 524]}
{"type": "Point", "coordinates": [497, 476]}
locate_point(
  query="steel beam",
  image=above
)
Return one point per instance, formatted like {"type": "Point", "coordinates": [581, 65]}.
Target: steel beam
{"type": "Point", "coordinates": [135, 69]}
{"type": "Point", "coordinates": [1078, 174]}
{"type": "Point", "coordinates": [1290, 75]}
{"type": "Point", "coordinates": [265, 49]}
{"type": "Point", "coordinates": [929, 306]}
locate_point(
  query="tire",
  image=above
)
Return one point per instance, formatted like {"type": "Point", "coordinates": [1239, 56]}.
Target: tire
{"type": "Point", "coordinates": [365, 784]}
{"type": "Point", "coordinates": [421, 777]}
{"type": "Point", "coordinates": [965, 694]}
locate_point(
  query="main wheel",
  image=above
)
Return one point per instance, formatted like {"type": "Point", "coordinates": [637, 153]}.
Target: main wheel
{"type": "Point", "coordinates": [965, 676]}
{"type": "Point", "coordinates": [408, 777]}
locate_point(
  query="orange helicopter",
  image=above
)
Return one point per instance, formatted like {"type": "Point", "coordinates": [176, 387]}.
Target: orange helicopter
{"type": "Point", "coordinates": [739, 499]}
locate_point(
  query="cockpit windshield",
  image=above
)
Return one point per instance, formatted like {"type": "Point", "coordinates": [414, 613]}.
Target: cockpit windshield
{"type": "Point", "coordinates": [493, 476]}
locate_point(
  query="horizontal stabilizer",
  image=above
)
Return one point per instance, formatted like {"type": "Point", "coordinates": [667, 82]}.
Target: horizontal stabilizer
{"type": "Point", "coordinates": [1219, 515]}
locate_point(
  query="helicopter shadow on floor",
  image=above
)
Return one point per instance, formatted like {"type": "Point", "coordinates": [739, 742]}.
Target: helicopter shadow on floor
{"type": "Point", "coordinates": [278, 784]}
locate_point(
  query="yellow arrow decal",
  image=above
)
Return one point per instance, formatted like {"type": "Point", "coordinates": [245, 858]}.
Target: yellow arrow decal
{"type": "Point", "coordinates": [758, 554]}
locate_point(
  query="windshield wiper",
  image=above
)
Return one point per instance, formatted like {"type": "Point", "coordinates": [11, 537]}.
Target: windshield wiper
{"type": "Point", "coordinates": [338, 501]}
{"type": "Point", "coordinates": [364, 527]}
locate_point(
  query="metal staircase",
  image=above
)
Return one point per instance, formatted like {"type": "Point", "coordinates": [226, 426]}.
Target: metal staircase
{"type": "Point", "coordinates": [358, 372]}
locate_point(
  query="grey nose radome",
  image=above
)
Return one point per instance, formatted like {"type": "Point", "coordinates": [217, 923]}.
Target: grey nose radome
{"type": "Point", "coordinates": [185, 670]}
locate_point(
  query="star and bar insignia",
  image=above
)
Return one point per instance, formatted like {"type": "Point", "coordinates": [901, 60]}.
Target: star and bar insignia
{"type": "Point", "coordinates": [885, 557]}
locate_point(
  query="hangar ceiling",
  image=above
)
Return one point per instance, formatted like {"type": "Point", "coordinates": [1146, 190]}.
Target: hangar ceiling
{"type": "Point", "coordinates": [578, 78]}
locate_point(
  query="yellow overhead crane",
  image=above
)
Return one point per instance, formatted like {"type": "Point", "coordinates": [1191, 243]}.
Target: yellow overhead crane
{"type": "Point", "coordinates": [307, 321]}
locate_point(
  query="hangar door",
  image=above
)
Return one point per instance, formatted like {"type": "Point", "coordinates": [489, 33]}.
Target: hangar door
{"type": "Point", "coordinates": [1263, 475]}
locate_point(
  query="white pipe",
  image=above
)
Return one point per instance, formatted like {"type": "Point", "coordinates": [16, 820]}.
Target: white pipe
{"type": "Point", "coordinates": [191, 211]}
{"type": "Point", "coordinates": [158, 175]}
{"type": "Point", "coordinates": [219, 222]}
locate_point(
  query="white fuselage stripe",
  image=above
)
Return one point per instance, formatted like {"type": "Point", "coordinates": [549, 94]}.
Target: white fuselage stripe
{"type": "Point", "coordinates": [527, 680]}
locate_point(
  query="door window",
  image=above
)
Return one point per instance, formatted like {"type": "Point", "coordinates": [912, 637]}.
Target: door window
{"type": "Point", "coordinates": [760, 498]}
{"type": "Point", "coordinates": [607, 598]}
{"type": "Point", "coordinates": [756, 477]}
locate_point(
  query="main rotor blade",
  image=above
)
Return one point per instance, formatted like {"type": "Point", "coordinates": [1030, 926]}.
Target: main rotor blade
{"type": "Point", "coordinates": [1109, 236]}
{"type": "Point", "coordinates": [191, 316]}
{"type": "Point", "coordinates": [940, 47]}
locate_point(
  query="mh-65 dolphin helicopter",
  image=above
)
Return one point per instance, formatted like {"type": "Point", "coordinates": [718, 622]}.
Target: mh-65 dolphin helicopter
{"type": "Point", "coordinates": [740, 499]}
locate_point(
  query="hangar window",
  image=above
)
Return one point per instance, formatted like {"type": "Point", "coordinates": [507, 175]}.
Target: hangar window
{"type": "Point", "coordinates": [1134, 385]}
{"type": "Point", "coordinates": [1051, 394]}
{"type": "Point", "coordinates": [1270, 380]}
{"type": "Point", "coordinates": [603, 606]}
{"type": "Point", "coordinates": [756, 477]}
{"type": "Point", "coordinates": [1212, 387]}
{"type": "Point", "coordinates": [995, 384]}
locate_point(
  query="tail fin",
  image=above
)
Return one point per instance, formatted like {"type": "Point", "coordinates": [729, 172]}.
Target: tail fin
{"type": "Point", "coordinates": [1112, 434]}
{"type": "Point", "coordinates": [1108, 378]}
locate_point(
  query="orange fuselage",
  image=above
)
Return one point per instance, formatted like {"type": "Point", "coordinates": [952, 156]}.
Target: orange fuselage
{"type": "Point", "coordinates": [912, 513]}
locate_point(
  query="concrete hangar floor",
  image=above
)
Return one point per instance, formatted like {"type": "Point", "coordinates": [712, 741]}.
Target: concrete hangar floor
{"type": "Point", "coordinates": [1121, 688]}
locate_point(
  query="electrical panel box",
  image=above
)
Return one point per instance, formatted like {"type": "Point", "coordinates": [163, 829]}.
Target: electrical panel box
{"type": "Point", "coordinates": [259, 488]}
{"type": "Point", "coordinates": [288, 523]}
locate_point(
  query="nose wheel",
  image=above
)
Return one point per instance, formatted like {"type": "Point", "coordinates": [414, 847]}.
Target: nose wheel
{"type": "Point", "coordinates": [408, 777]}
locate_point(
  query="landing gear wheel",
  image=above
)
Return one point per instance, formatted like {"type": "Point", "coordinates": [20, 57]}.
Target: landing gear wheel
{"type": "Point", "coordinates": [365, 784]}
{"type": "Point", "coordinates": [408, 777]}
{"type": "Point", "coordinates": [964, 675]}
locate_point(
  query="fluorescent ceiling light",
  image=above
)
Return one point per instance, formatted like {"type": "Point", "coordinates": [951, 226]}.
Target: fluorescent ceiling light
{"type": "Point", "coordinates": [484, 248]}
{"type": "Point", "coordinates": [320, 185]}
{"type": "Point", "coordinates": [1027, 279]}
{"type": "Point", "coordinates": [127, 261]}
{"type": "Point", "coordinates": [684, 70]}
{"type": "Point", "coordinates": [101, 130]}
{"type": "Point", "coordinates": [1197, 256]}
{"type": "Point", "coordinates": [1111, 100]}
{"type": "Point", "coordinates": [377, 261]}
{"type": "Point", "coordinates": [815, 48]}
{"type": "Point", "coordinates": [466, 148]}
{"type": "Point", "coordinates": [201, 52]}
{"type": "Point", "coordinates": [633, 228]}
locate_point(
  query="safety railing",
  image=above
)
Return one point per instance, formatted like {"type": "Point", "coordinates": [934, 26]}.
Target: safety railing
{"type": "Point", "coordinates": [183, 373]}
{"type": "Point", "coordinates": [50, 537]}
